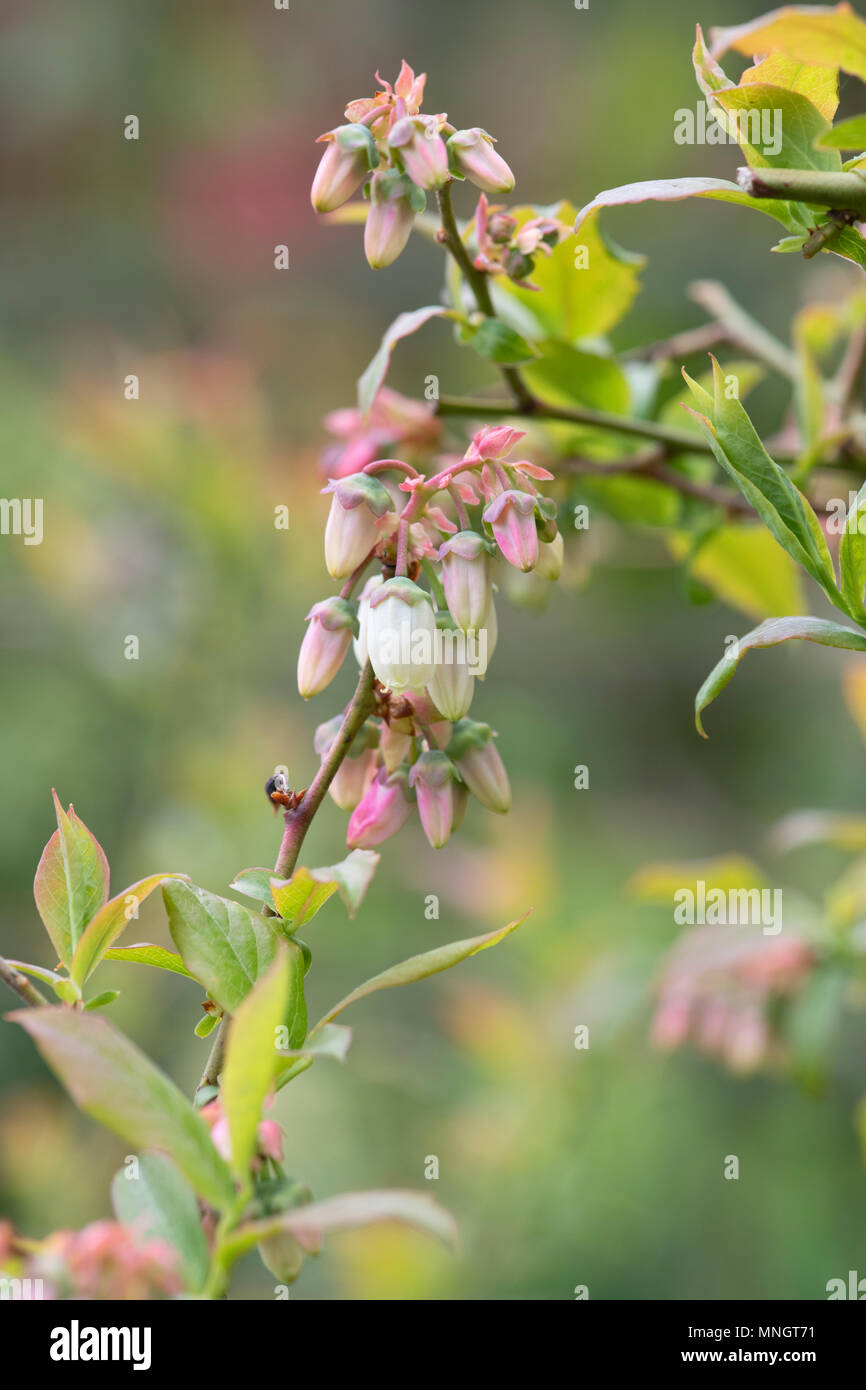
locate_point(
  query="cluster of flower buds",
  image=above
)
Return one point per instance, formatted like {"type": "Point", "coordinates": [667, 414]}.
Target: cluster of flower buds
{"type": "Point", "coordinates": [505, 246]}
{"type": "Point", "coordinates": [425, 618]}
{"type": "Point", "coordinates": [398, 155]}
{"type": "Point", "coordinates": [104, 1261]}
{"type": "Point", "coordinates": [719, 988]}
{"type": "Point", "coordinates": [269, 1134]}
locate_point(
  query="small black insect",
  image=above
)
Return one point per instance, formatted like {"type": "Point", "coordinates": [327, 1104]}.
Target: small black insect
{"type": "Point", "coordinates": [278, 793]}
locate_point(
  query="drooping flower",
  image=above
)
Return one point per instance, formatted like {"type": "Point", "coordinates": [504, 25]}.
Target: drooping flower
{"type": "Point", "coordinates": [401, 630]}
{"type": "Point", "coordinates": [360, 642]}
{"type": "Point", "coordinates": [550, 557]}
{"type": "Point", "coordinates": [453, 684]}
{"type": "Point", "coordinates": [382, 810]}
{"type": "Point", "coordinates": [106, 1260]}
{"type": "Point", "coordinates": [421, 150]}
{"type": "Point", "coordinates": [434, 779]}
{"type": "Point", "coordinates": [350, 154]}
{"type": "Point", "coordinates": [466, 577]}
{"type": "Point", "coordinates": [471, 153]}
{"type": "Point", "coordinates": [357, 769]}
{"type": "Point", "coordinates": [390, 219]}
{"type": "Point", "coordinates": [477, 759]}
{"type": "Point", "coordinates": [326, 641]}
{"type": "Point", "coordinates": [511, 517]}
{"type": "Point", "coordinates": [358, 505]}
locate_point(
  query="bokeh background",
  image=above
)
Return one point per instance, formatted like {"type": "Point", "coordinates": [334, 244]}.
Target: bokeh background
{"type": "Point", "coordinates": [155, 257]}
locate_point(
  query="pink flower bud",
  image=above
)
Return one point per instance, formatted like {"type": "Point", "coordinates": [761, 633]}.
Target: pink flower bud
{"type": "Point", "coordinates": [352, 779]}
{"type": "Point", "coordinates": [325, 643]}
{"type": "Point", "coordinates": [472, 154]}
{"type": "Point", "coordinates": [434, 779]}
{"type": "Point", "coordinates": [358, 504]}
{"type": "Point", "coordinates": [475, 756]}
{"type": "Point", "coordinates": [421, 150]}
{"type": "Point", "coordinates": [350, 154]}
{"type": "Point", "coordinates": [381, 811]}
{"type": "Point", "coordinates": [389, 222]}
{"type": "Point", "coordinates": [466, 578]}
{"type": "Point", "coordinates": [394, 744]}
{"type": "Point", "coordinates": [401, 633]}
{"type": "Point", "coordinates": [492, 442]}
{"type": "Point", "coordinates": [512, 518]}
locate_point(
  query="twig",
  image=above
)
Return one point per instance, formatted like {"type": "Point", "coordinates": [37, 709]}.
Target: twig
{"type": "Point", "coordinates": [298, 821]}
{"type": "Point", "coordinates": [834, 190]}
{"type": "Point", "coordinates": [683, 344]}
{"type": "Point", "coordinates": [654, 465]}
{"type": "Point", "coordinates": [481, 409]}
{"type": "Point", "coordinates": [24, 988]}
{"type": "Point", "coordinates": [741, 330]}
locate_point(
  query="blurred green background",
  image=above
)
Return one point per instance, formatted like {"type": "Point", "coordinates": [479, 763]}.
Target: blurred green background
{"type": "Point", "coordinates": [155, 257]}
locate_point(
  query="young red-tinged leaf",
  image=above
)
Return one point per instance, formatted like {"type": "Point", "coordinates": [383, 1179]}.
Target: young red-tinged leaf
{"type": "Point", "coordinates": [109, 922]}
{"type": "Point", "coordinates": [223, 944]}
{"type": "Point", "coordinates": [71, 881]}
{"type": "Point", "coordinates": [403, 325]}
{"type": "Point", "coordinates": [154, 1197]}
{"type": "Point", "coordinates": [770, 634]}
{"type": "Point", "coordinates": [350, 1211]}
{"type": "Point", "coordinates": [252, 1058]}
{"type": "Point", "coordinates": [110, 1079]}
{"type": "Point", "coordinates": [419, 967]}
{"type": "Point", "coordinates": [674, 190]}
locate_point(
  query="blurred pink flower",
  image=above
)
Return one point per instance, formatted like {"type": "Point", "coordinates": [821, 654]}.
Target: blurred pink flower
{"type": "Point", "coordinates": [395, 424]}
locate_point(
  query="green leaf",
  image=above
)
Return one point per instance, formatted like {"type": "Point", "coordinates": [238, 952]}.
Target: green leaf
{"type": "Point", "coordinates": [71, 881]}
{"type": "Point", "coordinates": [332, 1041]}
{"type": "Point", "coordinates": [584, 288]}
{"type": "Point", "coordinates": [420, 967]}
{"type": "Point", "coordinates": [159, 1204]}
{"type": "Point", "coordinates": [99, 1001]}
{"type": "Point", "coordinates": [310, 1221]}
{"type": "Point", "coordinates": [781, 506]}
{"type": "Point", "coordinates": [565, 375]}
{"type": "Point", "coordinates": [799, 124]}
{"type": "Point", "coordinates": [813, 1022]}
{"type": "Point", "coordinates": [829, 37]}
{"type": "Point", "coordinates": [847, 135]}
{"type": "Point", "coordinates": [145, 953]}
{"type": "Point", "coordinates": [403, 325]}
{"type": "Point", "coordinates": [223, 944]}
{"type": "Point", "coordinates": [254, 883]}
{"type": "Point", "coordinates": [110, 1079]}
{"type": "Point", "coordinates": [498, 342]}
{"type": "Point", "coordinates": [206, 1025]}
{"type": "Point", "coordinates": [819, 84]}
{"type": "Point", "coordinates": [109, 922]}
{"type": "Point", "coordinates": [852, 557]}
{"type": "Point", "coordinates": [299, 898]}
{"type": "Point", "coordinates": [252, 1060]}
{"type": "Point", "coordinates": [770, 634]}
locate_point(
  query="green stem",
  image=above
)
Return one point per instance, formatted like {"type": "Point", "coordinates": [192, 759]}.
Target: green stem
{"type": "Point", "coordinates": [843, 192]}
{"type": "Point", "coordinates": [477, 281]}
